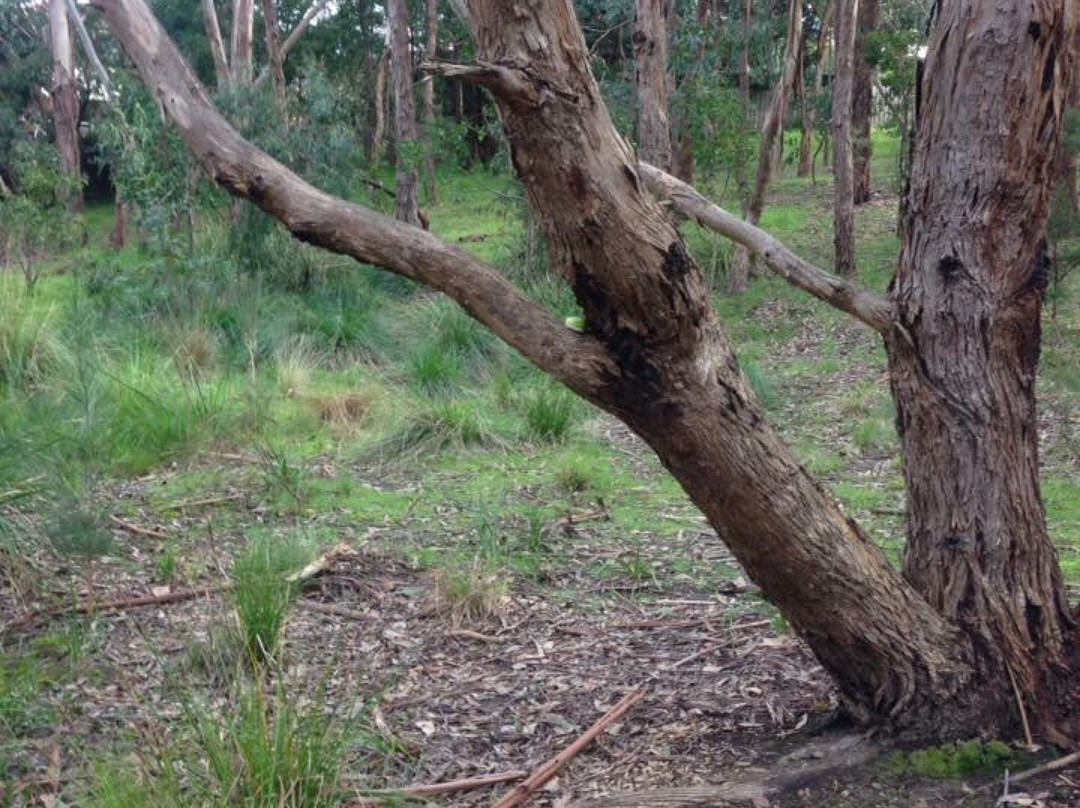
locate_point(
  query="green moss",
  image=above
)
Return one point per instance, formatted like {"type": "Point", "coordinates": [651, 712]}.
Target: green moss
{"type": "Point", "coordinates": [952, 760]}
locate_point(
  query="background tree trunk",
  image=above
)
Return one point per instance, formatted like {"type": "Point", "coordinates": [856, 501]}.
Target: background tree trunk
{"type": "Point", "coordinates": [379, 130]}
{"type": "Point", "coordinates": [431, 44]}
{"type": "Point", "coordinates": [217, 46]}
{"type": "Point", "coordinates": [407, 208]}
{"type": "Point", "coordinates": [771, 132]}
{"type": "Point", "coordinates": [806, 148]}
{"type": "Point", "coordinates": [650, 52]}
{"type": "Point", "coordinates": [862, 103]}
{"type": "Point", "coordinates": [65, 99]}
{"type": "Point", "coordinates": [843, 168]}
{"type": "Point", "coordinates": [243, 29]}
{"type": "Point", "coordinates": [969, 291]}
{"type": "Point", "coordinates": [274, 55]}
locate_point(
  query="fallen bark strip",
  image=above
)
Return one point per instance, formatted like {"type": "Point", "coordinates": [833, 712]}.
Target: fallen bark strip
{"type": "Point", "coordinates": [434, 789]}
{"type": "Point", "coordinates": [874, 311]}
{"type": "Point", "coordinates": [1046, 768]}
{"type": "Point", "coordinates": [137, 529]}
{"type": "Point", "coordinates": [524, 790]}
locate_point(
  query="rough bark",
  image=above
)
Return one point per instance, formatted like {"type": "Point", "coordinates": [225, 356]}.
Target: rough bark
{"type": "Point", "coordinates": [650, 55]}
{"type": "Point", "coordinates": [843, 167]}
{"type": "Point", "coordinates": [217, 45]}
{"type": "Point", "coordinates": [968, 293]}
{"type": "Point", "coordinates": [431, 43]}
{"type": "Point", "coordinates": [407, 207]}
{"type": "Point", "coordinates": [272, 34]}
{"type": "Point", "coordinates": [243, 31]}
{"type": "Point", "coordinates": [862, 103]}
{"type": "Point", "coordinates": [771, 132]}
{"type": "Point", "coordinates": [65, 99]}
{"type": "Point", "coordinates": [652, 351]}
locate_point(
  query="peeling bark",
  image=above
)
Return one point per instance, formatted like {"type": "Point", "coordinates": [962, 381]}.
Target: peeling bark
{"type": "Point", "coordinates": [968, 292]}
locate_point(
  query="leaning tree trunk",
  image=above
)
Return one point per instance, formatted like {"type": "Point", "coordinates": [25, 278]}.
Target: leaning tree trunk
{"type": "Point", "coordinates": [843, 167]}
{"type": "Point", "coordinates": [652, 351]}
{"type": "Point", "coordinates": [771, 132]}
{"type": "Point", "coordinates": [65, 100]}
{"type": "Point", "coordinates": [650, 53]}
{"type": "Point", "coordinates": [862, 103]}
{"type": "Point", "coordinates": [405, 138]}
{"type": "Point", "coordinates": [217, 45]}
{"type": "Point", "coordinates": [968, 292]}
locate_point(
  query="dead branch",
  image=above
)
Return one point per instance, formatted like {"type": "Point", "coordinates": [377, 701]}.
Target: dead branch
{"type": "Point", "coordinates": [332, 608]}
{"type": "Point", "coordinates": [320, 564]}
{"type": "Point", "coordinates": [505, 82]}
{"type": "Point", "coordinates": [869, 309]}
{"type": "Point", "coordinates": [523, 791]}
{"type": "Point", "coordinates": [136, 529]}
{"type": "Point", "coordinates": [435, 789]}
{"type": "Point", "coordinates": [197, 503]}
{"type": "Point", "coordinates": [1046, 768]}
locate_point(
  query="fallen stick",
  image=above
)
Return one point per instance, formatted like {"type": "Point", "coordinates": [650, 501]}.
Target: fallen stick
{"type": "Point", "coordinates": [524, 790]}
{"type": "Point", "coordinates": [194, 503]}
{"type": "Point", "coordinates": [320, 564]}
{"type": "Point", "coordinates": [117, 605]}
{"type": "Point", "coordinates": [434, 789]}
{"type": "Point", "coordinates": [333, 608]}
{"type": "Point", "coordinates": [136, 529]}
{"type": "Point", "coordinates": [1052, 766]}
{"type": "Point", "coordinates": [238, 458]}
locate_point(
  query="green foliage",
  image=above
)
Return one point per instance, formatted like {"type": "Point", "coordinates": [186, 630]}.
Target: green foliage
{"type": "Point", "coordinates": [262, 594]}
{"type": "Point", "coordinates": [953, 759]}
{"type": "Point", "coordinates": [759, 383]}
{"type": "Point", "coordinates": [549, 413]}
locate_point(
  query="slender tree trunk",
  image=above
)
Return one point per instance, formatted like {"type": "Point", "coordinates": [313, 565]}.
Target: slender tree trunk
{"type": "Point", "coordinates": [243, 30]}
{"type": "Point", "coordinates": [65, 99]}
{"type": "Point", "coordinates": [118, 234]}
{"type": "Point", "coordinates": [741, 180]}
{"type": "Point", "coordinates": [650, 52]}
{"type": "Point", "coordinates": [407, 208]}
{"type": "Point", "coordinates": [274, 55]}
{"type": "Point", "coordinates": [431, 45]}
{"type": "Point", "coordinates": [862, 103]}
{"type": "Point", "coordinates": [969, 290]}
{"type": "Point", "coordinates": [771, 133]}
{"type": "Point", "coordinates": [217, 46]}
{"type": "Point", "coordinates": [806, 148]}
{"type": "Point", "coordinates": [379, 132]}
{"type": "Point", "coordinates": [843, 169]}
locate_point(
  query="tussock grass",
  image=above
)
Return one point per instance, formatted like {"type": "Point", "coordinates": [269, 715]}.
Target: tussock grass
{"type": "Point", "coordinates": [468, 594]}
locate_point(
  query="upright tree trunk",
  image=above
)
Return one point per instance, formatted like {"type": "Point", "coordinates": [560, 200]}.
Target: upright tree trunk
{"type": "Point", "coordinates": [273, 45]}
{"type": "Point", "coordinates": [243, 30]}
{"type": "Point", "coordinates": [862, 103]}
{"type": "Point", "coordinates": [217, 46]}
{"type": "Point", "coordinates": [379, 131]}
{"type": "Point", "coordinates": [430, 47]}
{"type": "Point", "coordinates": [968, 291]}
{"type": "Point", "coordinates": [407, 207]}
{"type": "Point", "coordinates": [771, 132]}
{"type": "Point", "coordinates": [741, 180]}
{"type": "Point", "coordinates": [843, 168]}
{"type": "Point", "coordinates": [650, 52]}
{"type": "Point", "coordinates": [65, 99]}
{"type": "Point", "coordinates": [806, 144]}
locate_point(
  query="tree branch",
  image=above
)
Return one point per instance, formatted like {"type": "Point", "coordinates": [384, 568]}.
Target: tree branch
{"type": "Point", "coordinates": [869, 309]}
{"type": "Point", "coordinates": [505, 82]}
{"type": "Point", "coordinates": [89, 49]}
{"type": "Point", "coordinates": [313, 216]}
{"type": "Point", "coordinates": [293, 37]}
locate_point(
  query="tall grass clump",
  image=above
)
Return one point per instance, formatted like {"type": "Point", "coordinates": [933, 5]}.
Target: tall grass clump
{"type": "Point", "coordinates": [30, 347]}
{"type": "Point", "coordinates": [549, 414]}
{"type": "Point", "coordinates": [262, 593]}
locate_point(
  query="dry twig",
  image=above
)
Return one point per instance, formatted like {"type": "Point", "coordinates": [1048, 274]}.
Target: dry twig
{"type": "Point", "coordinates": [434, 789]}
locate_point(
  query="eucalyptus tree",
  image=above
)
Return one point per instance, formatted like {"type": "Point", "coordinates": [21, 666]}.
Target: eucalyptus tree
{"type": "Point", "coordinates": [977, 631]}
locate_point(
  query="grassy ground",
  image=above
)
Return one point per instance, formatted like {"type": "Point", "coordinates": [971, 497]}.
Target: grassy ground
{"type": "Point", "coordinates": [253, 404]}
